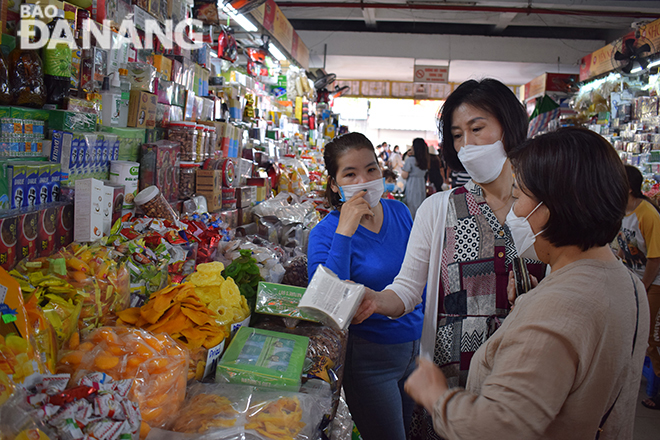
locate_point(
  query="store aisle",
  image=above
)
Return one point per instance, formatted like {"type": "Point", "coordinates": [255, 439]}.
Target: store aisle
{"type": "Point", "coordinates": [647, 421]}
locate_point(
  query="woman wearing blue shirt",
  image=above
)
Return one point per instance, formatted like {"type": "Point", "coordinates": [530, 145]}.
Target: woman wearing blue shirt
{"type": "Point", "coordinates": [364, 240]}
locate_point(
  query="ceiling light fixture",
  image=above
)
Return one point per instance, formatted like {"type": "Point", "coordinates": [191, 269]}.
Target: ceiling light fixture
{"type": "Point", "coordinates": [246, 24]}
{"type": "Point", "coordinates": [274, 51]}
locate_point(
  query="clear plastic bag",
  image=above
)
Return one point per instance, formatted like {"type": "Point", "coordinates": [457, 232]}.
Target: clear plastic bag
{"type": "Point", "coordinates": [331, 300]}
{"type": "Point", "coordinates": [250, 412]}
{"type": "Point", "coordinates": [156, 363]}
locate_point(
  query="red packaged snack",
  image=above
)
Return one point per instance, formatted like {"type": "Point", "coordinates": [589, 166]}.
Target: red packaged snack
{"type": "Point", "coordinates": [47, 227]}
{"type": "Point", "coordinates": [28, 228]}
{"type": "Point", "coordinates": [64, 232]}
{"type": "Point", "coordinates": [8, 240]}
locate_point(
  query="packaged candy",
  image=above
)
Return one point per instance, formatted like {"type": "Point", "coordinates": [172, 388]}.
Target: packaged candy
{"type": "Point", "coordinates": [155, 364]}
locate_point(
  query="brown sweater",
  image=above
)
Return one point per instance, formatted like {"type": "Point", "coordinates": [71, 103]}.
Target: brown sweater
{"type": "Point", "coordinates": [558, 362]}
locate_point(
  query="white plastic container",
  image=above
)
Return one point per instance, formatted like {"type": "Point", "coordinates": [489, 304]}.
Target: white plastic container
{"type": "Point", "coordinates": [111, 101]}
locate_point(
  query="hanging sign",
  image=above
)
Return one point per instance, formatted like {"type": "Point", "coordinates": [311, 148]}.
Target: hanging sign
{"type": "Point", "coordinates": [431, 74]}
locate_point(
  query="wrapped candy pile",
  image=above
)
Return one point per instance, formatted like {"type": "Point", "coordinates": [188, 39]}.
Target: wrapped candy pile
{"type": "Point", "coordinates": [96, 407]}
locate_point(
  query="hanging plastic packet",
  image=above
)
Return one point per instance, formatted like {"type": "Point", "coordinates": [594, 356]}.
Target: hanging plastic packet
{"type": "Point", "coordinates": [331, 300]}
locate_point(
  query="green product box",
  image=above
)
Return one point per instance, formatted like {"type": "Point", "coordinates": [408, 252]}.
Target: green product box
{"type": "Point", "coordinates": [281, 300]}
{"type": "Point", "coordinates": [71, 121]}
{"type": "Point", "coordinates": [264, 358]}
{"type": "Point", "coordinates": [5, 111]}
{"type": "Point", "coordinates": [130, 140]}
{"type": "Point", "coordinates": [29, 113]}
{"type": "Point", "coordinates": [655, 156]}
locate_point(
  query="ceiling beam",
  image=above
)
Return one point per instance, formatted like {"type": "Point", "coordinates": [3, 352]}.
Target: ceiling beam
{"type": "Point", "coordinates": [369, 15]}
{"type": "Point", "coordinates": [504, 21]}
{"type": "Point", "coordinates": [467, 8]}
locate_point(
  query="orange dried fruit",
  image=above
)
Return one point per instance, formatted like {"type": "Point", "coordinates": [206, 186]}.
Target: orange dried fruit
{"type": "Point", "coordinates": [86, 346]}
{"type": "Point", "coordinates": [73, 358]}
{"type": "Point", "coordinates": [130, 316]}
{"type": "Point", "coordinates": [158, 400]}
{"type": "Point", "coordinates": [144, 430]}
{"type": "Point", "coordinates": [74, 341]}
{"type": "Point", "coordinates": [143, 350]}
{"type": "Point", "coordinates": [106, 361]}
{"type": "Point", "coordinates": [149, 414]}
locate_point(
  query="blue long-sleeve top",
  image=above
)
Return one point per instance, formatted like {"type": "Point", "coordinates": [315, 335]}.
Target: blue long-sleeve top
{"type": "Point", "coordinates": [372, 260]}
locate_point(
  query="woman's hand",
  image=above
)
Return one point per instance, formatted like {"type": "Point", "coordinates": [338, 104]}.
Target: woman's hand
{"type": "Point", "coordinates": [367, 307]}
{"type": "Point", "coordinates": [351, 214]}
{"type": "Point", "coordinates": [511, 287]}
{"type": "Point", "coordinates": [426, 384]}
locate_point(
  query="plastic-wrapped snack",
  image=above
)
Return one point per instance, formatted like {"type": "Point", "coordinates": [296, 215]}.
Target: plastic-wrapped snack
{"type": "Point", "coordinates": [156, 364]}
{"type": "Point", "coordinates": [333, 301]}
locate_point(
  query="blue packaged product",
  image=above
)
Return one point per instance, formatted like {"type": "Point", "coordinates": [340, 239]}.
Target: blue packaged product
{"type": "Point", "coordinates": [54, 183]}
{"type": "Point", "coordinates": [31, 186]}
{"type": "Point", "coordinates": [16, 175]}
{"type": "Point", "coordinates": [44, 183]}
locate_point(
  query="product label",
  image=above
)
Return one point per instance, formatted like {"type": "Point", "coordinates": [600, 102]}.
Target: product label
{"type": "Point", "coordinates": [17, 185]}
{"type": "Point", "coordinates": [212, 358]}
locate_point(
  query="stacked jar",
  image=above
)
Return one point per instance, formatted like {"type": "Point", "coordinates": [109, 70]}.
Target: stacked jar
{"type": "Point", "coordinates": [201, 142]}
{"type": "Point", "coordinates": [153, 204]}
{"type": "Point", "coordinates": [186, 134]}
{"type": "Point", "coordinates": [187, 172]}
{"type": "Point", "coordinates": [213, 140]}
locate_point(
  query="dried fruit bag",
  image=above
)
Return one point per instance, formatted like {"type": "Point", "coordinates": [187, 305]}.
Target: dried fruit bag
{"type": "Point", "coordinates": [156, 363]}
{"type": "Point", "coordinates": [92, 278]}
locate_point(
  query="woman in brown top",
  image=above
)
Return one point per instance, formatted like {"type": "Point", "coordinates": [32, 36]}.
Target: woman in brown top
{"type": "Point", "coordinates": [567, 361]}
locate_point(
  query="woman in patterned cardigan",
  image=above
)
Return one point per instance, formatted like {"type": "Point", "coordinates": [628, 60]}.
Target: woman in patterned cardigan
{"type": "Point", "coordinates": [461, 247]}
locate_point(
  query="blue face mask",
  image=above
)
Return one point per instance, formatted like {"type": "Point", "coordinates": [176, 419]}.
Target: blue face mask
{"type": "Point", "coordinates": [389, 187]}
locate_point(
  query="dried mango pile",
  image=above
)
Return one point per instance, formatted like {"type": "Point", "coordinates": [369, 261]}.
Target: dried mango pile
{"type": "Point", "coordinates": [178, 311]}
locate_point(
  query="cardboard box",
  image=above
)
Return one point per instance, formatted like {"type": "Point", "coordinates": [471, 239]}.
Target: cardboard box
{"type": "Point", "coordinates": [246, 196]}
{"type": "Point", "coordinates": [88, 225]}
{"type": "Point", "coordinates": [28, 230]}
{"type": "Point", "coordinates": [159, 165]}
{"type": "Point", "coordinates": [164, 65]}
{"type": "Point", "coordinates": [31, 186]}
{"type": "Point", "coordinates": [65, 120]}
{"type": "Point", "coordinates": [47, 237]}
{"type": "Point", "coordinates": [54, 183]}
{"type": "Point", "coordinates": [244, 216]}
{"type": "Point", "coordinates": [117, 200]}
{"type": "Point", "coordinates": [64, 225]}
{"type": "Point", "coordinates": [8, 240]}
{"type": "Point", "coordinates": [213, 200]}
{"type": "Point", "coordinates": [16, 174]}
{"type": "Point", "coordinates": [142, 109]}
{"type": "Point", "coordinates": [230, 217]}
{"type": "Point", "coordinates": [264, 358]}
{"type": "Point", "coordinates": [209, 181]}
{"type": "Point", "coordinates": [43, 183]}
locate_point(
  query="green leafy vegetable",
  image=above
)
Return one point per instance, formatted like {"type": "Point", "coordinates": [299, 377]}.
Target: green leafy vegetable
{"type": "Point", "coordinates": [245, 272]}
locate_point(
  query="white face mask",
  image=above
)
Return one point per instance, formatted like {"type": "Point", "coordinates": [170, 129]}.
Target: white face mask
{"type": "Point", "coordinates": [375, 189]}
{"type": "Point", "coordinates": [523, 236]}
{"type": "Point", "coordinates": [483, 162]}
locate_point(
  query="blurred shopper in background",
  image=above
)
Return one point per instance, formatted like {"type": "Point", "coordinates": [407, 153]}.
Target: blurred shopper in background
{"type": "Point", "coordinates": [639, 247]}
{"type": "Point", "coordinates": [414, 171]}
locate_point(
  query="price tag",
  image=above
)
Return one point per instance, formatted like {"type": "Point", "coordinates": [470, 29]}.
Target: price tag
{"type": "Point", "coordinates": [212, 358]}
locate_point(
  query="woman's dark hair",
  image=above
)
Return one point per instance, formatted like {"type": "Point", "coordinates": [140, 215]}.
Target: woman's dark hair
{"type": "Point", "coordinates": [396, 149]}
{"type": "Point", "coordinates": [635, 180]}
{"type": "Point", "coordinates": [336, 148]}
{"type": "Point", "coordinates": [579, 177]}
{"type": "Point", "coordinates": [421, 151]}
{"type": "Point", "coordinates": [389, 174]}
{"type": "Point", "coordinates": [495, 98]}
